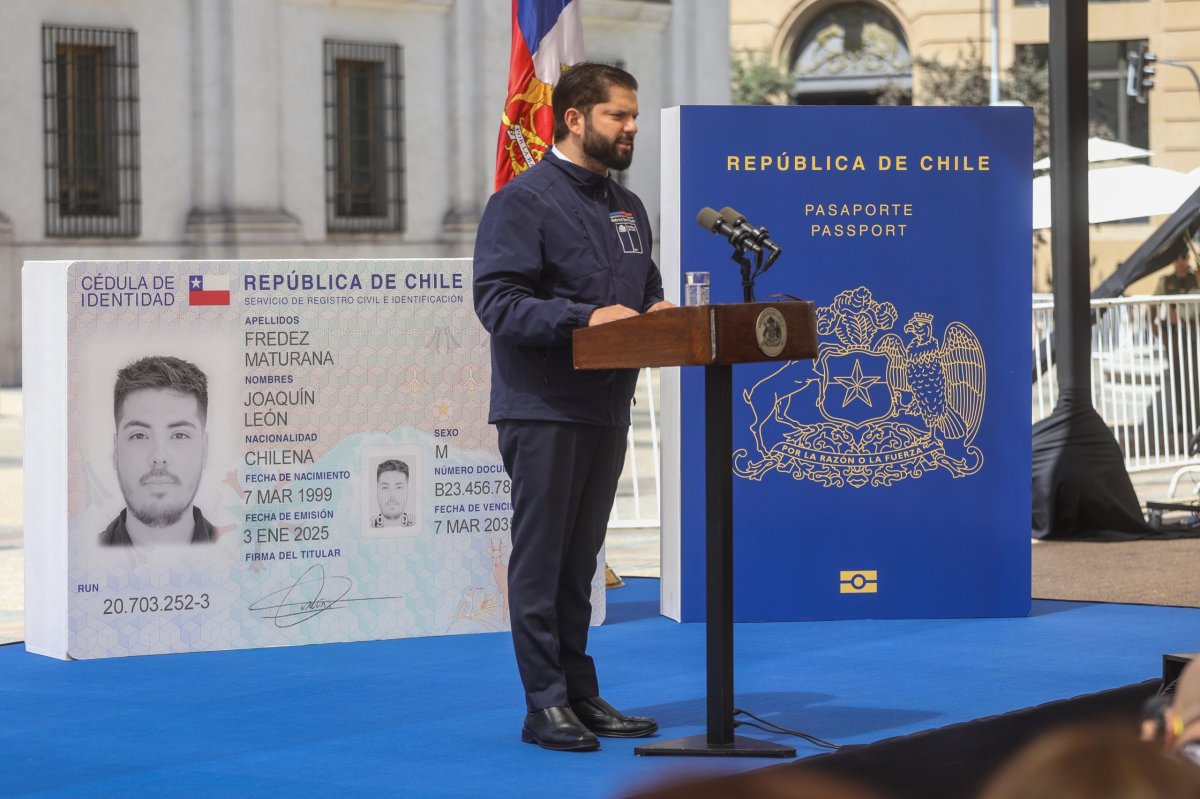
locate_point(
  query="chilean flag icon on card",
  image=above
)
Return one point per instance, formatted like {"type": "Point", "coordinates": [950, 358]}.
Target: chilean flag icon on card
{"type": "Point", "coordinates": [208, 290]}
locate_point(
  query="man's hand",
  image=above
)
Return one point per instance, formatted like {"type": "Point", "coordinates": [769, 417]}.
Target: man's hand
{"type": "Point", "coordinates": [610, 313]}
{"type": "Point", "coordinates": [661, 305]}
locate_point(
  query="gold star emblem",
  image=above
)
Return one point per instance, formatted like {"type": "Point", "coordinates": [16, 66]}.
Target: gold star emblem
{"type": "Point", "coordinates": [857, 385]}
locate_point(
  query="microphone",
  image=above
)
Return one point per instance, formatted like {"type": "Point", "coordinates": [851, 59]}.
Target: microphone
{"type": "Point", "coordinates": [759, 235]}
{"type": "Point", "coordinates": [742, 238]}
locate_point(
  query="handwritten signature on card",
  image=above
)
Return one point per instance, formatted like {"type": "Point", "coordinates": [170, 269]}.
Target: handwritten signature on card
{"type": "Point", "coordinates": [311, 595]}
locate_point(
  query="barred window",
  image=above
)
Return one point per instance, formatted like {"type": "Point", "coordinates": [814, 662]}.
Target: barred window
{"type": "Point", "coordinates": [364, 155]}
{"type": "Point", "coordinates": [89, 77]}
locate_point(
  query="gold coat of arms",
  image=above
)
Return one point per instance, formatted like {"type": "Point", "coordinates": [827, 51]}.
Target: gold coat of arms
{"type": "Point", "coordinates": [875, 407]}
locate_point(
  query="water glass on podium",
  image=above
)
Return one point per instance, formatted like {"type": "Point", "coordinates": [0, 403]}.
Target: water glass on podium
{"type": "Point", "coordinates": [696, 288]}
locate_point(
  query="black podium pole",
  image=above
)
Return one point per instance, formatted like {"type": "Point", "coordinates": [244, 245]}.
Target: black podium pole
{"type": "Point", "coordinates": [718, 466]}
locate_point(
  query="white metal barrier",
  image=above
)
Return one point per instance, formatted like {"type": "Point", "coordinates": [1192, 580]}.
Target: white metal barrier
{"type": "Point", "coordinates": [1145, 383]}
{"type": "Point", "coordinates": [638, 493]}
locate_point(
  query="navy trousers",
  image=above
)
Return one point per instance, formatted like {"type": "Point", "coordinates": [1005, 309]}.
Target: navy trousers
{"type": "Point", "coordinates": [564, 480]}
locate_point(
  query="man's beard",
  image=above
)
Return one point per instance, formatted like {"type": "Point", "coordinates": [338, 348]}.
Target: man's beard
{"type": "Point", "coordinates": [605, 151]}
{"type": "Point", "coordinates": [160, 517]}
{"type": "Point", "coordinates": [158, 514]}
{"type": "Point", "coordinates": [391, 510]}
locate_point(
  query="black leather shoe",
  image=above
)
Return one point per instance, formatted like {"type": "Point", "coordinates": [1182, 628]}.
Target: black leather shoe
{"type": "Point", "coordinates": [557, 728]}
{"type": "Point", "coordinates": [605, 720]}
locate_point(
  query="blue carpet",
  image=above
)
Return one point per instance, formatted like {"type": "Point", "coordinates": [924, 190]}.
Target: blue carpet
{"type": "Point", "coordinates": [439, 717]}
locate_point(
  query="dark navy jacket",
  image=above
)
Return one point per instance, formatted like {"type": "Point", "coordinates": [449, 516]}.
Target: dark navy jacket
{"type": "Point", "coordinates": [555, 244]}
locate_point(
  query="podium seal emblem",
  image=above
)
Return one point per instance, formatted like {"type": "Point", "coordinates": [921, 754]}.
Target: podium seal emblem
{"type": "Point", "coordinates": [771, 331]}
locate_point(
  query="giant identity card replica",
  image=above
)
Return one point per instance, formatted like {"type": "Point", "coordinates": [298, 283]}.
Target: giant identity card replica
{"type": "Point", "coordinates": [342, 484]}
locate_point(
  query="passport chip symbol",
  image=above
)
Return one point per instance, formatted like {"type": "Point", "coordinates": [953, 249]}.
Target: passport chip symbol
{"type": "Point", "coordinates": [859, 582]}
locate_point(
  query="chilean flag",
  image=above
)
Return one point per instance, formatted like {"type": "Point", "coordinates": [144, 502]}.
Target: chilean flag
{"type": "Point", "coordinates": [208, 290]}
{"type": "Point", "coordinates": [546, 36]}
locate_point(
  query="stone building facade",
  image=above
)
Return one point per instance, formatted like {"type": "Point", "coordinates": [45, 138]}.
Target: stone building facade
{"type": "Point", "coordinates": [848, 51]}
{"type": "Point", "coordinates": [145, 129]}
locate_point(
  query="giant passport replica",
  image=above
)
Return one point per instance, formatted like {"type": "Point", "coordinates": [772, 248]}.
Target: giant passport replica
{"type": "Point", "coordinates": [889, 476]}
{"type": "Point", "coordinates": [341, 484]}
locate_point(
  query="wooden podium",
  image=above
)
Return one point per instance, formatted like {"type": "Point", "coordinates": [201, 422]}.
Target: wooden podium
{"type": "Point", "coordinates": [715, 337]}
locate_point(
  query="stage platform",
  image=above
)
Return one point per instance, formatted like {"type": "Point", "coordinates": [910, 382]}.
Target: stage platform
{"type": "Point", "coordinates": [440, 717]}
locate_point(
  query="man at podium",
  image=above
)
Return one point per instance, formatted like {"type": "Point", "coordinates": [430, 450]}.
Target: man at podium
{"type": "Point", "coordinates": [564, 246]}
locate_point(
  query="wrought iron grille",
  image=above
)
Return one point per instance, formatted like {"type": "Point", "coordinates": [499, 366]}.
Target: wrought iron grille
{"type": "Point", "coordinates": [364, 137]}
{"type": "Point", "coordinates": [90, 105]}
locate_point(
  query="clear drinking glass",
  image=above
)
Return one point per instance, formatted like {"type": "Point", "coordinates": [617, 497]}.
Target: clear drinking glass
{"type": "Point", "coordinates": [696, 288]}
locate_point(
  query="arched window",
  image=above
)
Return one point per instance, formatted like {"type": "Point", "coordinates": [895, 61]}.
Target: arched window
{"type": "Point", "coordinates": [850, 55]}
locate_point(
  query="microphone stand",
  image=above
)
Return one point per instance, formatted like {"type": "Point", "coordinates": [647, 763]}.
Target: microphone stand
{"type": "Point", "coordinates": [750, 273]}
{"type": "Point", "coordinates": [775, 253]}
{"type": "Point", "coordinates": [739, 256]}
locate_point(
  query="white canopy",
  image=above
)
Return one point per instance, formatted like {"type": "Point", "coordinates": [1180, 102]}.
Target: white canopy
{"type": "Point", "coordinates": [1123, 192]}
{"type": "Point", "coordinates": [1102, 150]}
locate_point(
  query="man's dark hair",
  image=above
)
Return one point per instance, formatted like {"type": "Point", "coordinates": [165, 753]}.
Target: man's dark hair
{"type": "Point", "coordinates": [583, 86]}
{"type": "Point", "coordinates": [161, 372]}
{"type": "Point", "coordinates": [392, 465]}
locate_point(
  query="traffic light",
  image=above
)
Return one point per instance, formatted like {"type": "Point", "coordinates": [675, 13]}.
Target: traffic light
{"type": "Point", "coordinates": [1148, 70]}
{"type": "Point", "coordinates": [1140, 77]}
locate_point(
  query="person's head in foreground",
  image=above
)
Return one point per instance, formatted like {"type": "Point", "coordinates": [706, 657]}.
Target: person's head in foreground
{"type": "Point", "coordinates": [1093, 762]}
